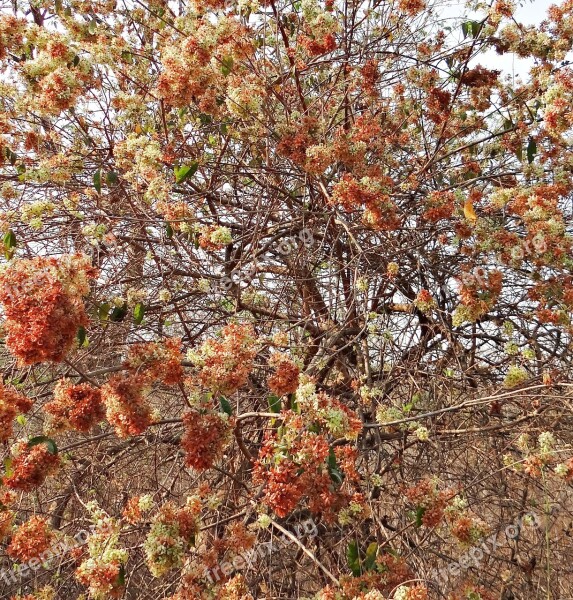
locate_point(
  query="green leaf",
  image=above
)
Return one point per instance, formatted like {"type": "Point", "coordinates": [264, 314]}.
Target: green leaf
{"type": "Point", "coordinates": [185, 171]}
{"type": "Point", "coordinates": [274, 403]}
{"type": "Point", "coordinates": [97, 181]}
{"type": "Point", "coordinates": [466, 28]}
{"type": "Point", "coordinates": [111, 178]}
{"type": "Point", "coordinates": [42, 439]}
{"type": "Point", "coordinates": [333, 470]}
{"type": "Point", "coordinates": [226, 405]}
{"type": "Point", "coordinates": [531, 150]}
{"type": "Point", "coordinates": [21, 420]}
{"type": "Point", "coordinates": [168, 230]}
{"type": "Point", "coordinates": [8, 467]}
{"type": "Point", "coordinates": [138, 313]}
{"type": "Point", "coordinates": [293, 404]}
{"type": "Point", "coordinates": [419, 515]}
{"type": "Point", "coordinates": [353, 559]}
{"type": "Point", "coordinates": [92, 27]}
{"type": "Point", "coordinates": [227, 65]}
{"type": "Point", "coordinates": [369, 561]}
{"type": "Point", "coordinates": [103, 311]}
{"type": "Point", "coordinates": [9, 244]}
{"type": "Point", "coordinates": [475, 28]}
{"type": "Point", "coordinates": [118, 313]}
{"type": "Point", "coordinates": [11, 156]}
{"type": "Point", "coordinates": [82, 337]}
{"type": "Point", "coordinates": [519, 152]}
{"type": "Point", "coordinates": [121, 576]}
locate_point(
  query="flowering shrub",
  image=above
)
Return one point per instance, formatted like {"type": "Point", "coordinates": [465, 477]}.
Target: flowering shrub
{"type": "Point", "coordinates": [272, 263]}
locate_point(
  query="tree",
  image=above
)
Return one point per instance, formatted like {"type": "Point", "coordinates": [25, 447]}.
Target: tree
{"type": "Point", "coordinates": [287, 300]}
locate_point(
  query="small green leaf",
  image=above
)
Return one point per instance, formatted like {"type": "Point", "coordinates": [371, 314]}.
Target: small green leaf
{"type": "Point", "coordinates": [42, 439]}
{"type": "Point", "coordinates": [274, 403]}
{"type": "Point", "coordinates": [8, 467]}
{"type": "Point", "coordinates": [293, 404]}
{"type": "Point", "coordinates": [111, 178]}
{"type": "Point", "coordinates": [226, 405]}
{"type": "Point", "coordinates": [419, 515]}
{"type": "Point", "coordinates": [466, 28]}
{"type": "Point", "coordinates": [353, 559]}
{"type": "Point", "coordinates": [138, 313]}
{"type": "Point", "coordinates": [11, 156]}
{"type": "Point", "coordinates": [531, 150]}
{"type": "Point", "coordinates": [185, 171]}
{"type": "Point", "coordinates": [9, 244]}
{"type": "Point", "coordinates": [369, 561]}
{"type": "Point", "coordinates": [103, 311]}
{"type": "Point", "coordinates": [519, 152]}
{"type": "Point", "coordinates": [168, 230]}
{"type": "Point", "coordinates": [227, 65]}
{"type": "Point", "coordinates": [82, 337]}
{"type": "Point", "coordinates": [92, 27]}
{"type": "Point", "coordinates": [118, 313]}
{"type": "Point", "coordinates": [97, 181]}
{"type": "Point", "coordinates": [475, 28]}
{"type": "Point", "coordinates": [334, 471]}
{"type": "Point", "coordinates": [121, 576]}
{"type": "Point", "coordinates": [21, 420]}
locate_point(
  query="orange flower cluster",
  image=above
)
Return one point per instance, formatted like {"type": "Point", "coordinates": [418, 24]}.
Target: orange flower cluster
{"type": "Point", "coordinates": [31, 467]}
{"type": "Point", "coordinates": [126, 409]}
{"type": "Point", "coordinates": [411, 7]}
{"type": "Point", "coordinates": [295, 141]}
{"type": "Point", "coordinates": [157, 361]}
{"type": "Point", "coordinates": [30, 540]}
{"type": "Point", "coordinates": [175, 213]}
{"type": "Point", "coordinates": [371, 194]}
{"type": "Point", "coordinates": [12, 403]}
{"type": "Point", "coordinates": [188, 72]}
{"type": "Point", "coordinates": [77, 407]}
{"type": "Point", "coordinates": [298, 465]}
{"type": "Point", "coordinates": [318, 47]}
{"type": "Point", "coordinates": [228, 363]}
{"type": "Point", "coordinates": [6, 520]}
{"type": "Point", "coordinates": [438, 103]}
{"type": "Point", "coordinates": [103, 578]}
{"type": "Point", "coordinates": [440, 205]}
{"type": "Point", "coordinates": [431, 501]}
{"type": "Point", "coordinates": [370, 75]}
{"type": "Point", "coordinates": [285, 379]}
{"type": "Point", "coordinates": [205, 438]}
{"type": "Point", "coordinates": [42, 299]}
{"type": "Point", "coordinates": [172, 533]}
{"type": "Point", "coordinates": [480, 294]}
{"type": "Point", "coordinates": [11, 34]}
